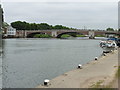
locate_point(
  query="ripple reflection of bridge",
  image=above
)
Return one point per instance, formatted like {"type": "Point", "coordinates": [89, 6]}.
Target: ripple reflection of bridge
{"type": "Point", "coordinates": [59, 33]}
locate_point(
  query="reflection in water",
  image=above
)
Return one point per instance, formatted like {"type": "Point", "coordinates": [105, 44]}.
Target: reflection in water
{"type": "Point", "coordinates": [27, 62]}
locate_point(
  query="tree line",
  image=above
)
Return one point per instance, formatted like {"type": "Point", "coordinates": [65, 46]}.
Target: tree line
{"type": "Point", "coordinates": [110, 29]}
{"type": "Point", "coordinates": [22, 25]}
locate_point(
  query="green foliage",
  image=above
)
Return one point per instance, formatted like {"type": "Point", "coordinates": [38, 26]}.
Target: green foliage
{"type": "Point", "coordinates": [44, 26]}
{"type": "Point", "coordinates": [110, 29]}
{"type": "Point", "coordinates": [71, 35]}
{"type": "Point", "coordinates": [42, 36]}
{"type": "Point", "coordinates": [80, 35]}
{"type": "Point", "coordinates": [65, 36]}
{"type": "Point", "coordinates": [5, 24]}
{"type": "Point", "coordinates": [99, 36]}
{"type": "Point", "coordinates": [60, 27]}
{"type": "Point", "coordinates": [118, 72]}
{"type": "Point", "coordinates": [19, 25]}
{"type": "Point", "coordinates": [32, 26]}
{"type": "Point", "coordinates": [97, 84]}
{"type": "Point", "coordinates": [102, 89]}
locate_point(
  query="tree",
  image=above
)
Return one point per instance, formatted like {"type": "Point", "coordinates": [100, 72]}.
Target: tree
{"type": "Point", "coordinates": [119, 30]}
{"type": "Point", "coordinates": [33, 26]}
{"type": "Point", "coordinates": [44, 26]}
{"type": "Point", "coordinates": [60, 27]}
{"type": "Point", "coordinates": [109, 29]}
{"type": "Point", "coordinates": [5, 24]}
{"type": "Point", "coordinates": [22, 25]}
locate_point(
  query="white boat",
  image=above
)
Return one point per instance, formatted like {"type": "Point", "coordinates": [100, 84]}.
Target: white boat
{"type": "Point", "coordinates": [108, 46]}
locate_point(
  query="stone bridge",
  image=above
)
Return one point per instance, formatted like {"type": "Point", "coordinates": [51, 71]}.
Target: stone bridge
{"type": "Point", "coordinates": [59, 33]}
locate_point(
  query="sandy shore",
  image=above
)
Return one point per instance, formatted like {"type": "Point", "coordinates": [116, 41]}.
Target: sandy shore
{"type": "Point", "coordinates": [92, 75]}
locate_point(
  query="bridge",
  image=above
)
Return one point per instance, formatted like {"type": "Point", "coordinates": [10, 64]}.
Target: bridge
{"type": "Point", "coordinates": [59, 33]}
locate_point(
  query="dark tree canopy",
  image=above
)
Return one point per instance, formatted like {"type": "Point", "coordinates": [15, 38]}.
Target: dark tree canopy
{"type": "Point", "coordinates": [5, 24]}
{"type": "Point", "coordinates": [60, 27]}
{"type": "Point", "coordinates": [110, 29]}
{"type": "Point", "coordinates": [22, 25]}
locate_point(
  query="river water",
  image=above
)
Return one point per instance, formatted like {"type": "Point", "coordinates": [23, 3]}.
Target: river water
{"type": "Point", "coordinates": [27, 62]}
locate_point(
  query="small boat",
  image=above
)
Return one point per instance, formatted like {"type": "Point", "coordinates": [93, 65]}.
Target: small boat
{"type": "Point", "coordinates": [108, 46]}
{"type": "Point", "coordinates": [102, 44]}
{"type": "Point", "coordinates": [118, 42]}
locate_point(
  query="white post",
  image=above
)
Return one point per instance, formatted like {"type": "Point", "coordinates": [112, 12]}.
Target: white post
{"type": "Point", "coordinates": [46, 82]}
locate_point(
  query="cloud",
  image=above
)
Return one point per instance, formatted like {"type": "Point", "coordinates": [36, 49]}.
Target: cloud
{"type": "Point", "coordinates": [60, 0]}
{"type": "Point", "coordinates": [89, 14]}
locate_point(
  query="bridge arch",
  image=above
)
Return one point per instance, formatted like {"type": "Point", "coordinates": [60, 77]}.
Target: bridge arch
{"type": "Point", "coordinates": [69, 33]}
{"type": "Point", "coordinates": [31, 35]}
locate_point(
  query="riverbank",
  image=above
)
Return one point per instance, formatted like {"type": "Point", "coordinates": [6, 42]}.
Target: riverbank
{"type": "Point", "coordinates": [94, 74]}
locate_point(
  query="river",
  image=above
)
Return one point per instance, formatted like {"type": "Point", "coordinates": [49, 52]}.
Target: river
{"type": "Point", "coordinates": [27, 62]}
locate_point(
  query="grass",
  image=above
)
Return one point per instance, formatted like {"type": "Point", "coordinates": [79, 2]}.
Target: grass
{"type": "Point", "coordinates": [80, 35]}
{"type": "Point", "coordinates": [99, 36]}
{"type": "Point", "coordinates": [97, 84]}
{"type": "Point", "coordinates": [65, 36]}
{"type": "Point", "coordinates": [118, 73]}
{"type": "Point", "coordinates": [102, 89]}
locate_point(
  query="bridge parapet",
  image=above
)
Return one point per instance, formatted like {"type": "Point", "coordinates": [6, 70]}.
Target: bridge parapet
{"type": "Point", "coordinates": [55, 33]}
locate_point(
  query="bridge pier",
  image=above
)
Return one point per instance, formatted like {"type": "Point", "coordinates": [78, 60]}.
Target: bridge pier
{"type": "Point", "coordinates": [24, 33]}
{"type": "Point", "coordinates": [91, 34]}
{"type": "Point", "coordinates": [54, 33]}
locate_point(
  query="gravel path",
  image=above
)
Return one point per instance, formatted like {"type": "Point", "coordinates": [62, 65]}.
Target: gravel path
{"type": "Point", "coordinates": [94, 74]}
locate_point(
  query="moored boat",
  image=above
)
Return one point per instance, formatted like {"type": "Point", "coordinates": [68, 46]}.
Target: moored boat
{"type": "Point", "coordinates": [108, 46]}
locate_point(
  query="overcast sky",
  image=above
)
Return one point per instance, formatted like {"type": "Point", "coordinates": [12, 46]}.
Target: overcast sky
{"type": "Point", "coordinates": [71, 13]}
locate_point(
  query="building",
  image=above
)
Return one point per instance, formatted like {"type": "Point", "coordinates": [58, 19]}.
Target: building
{"type": "Point", "coordinates": [10, 32]}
